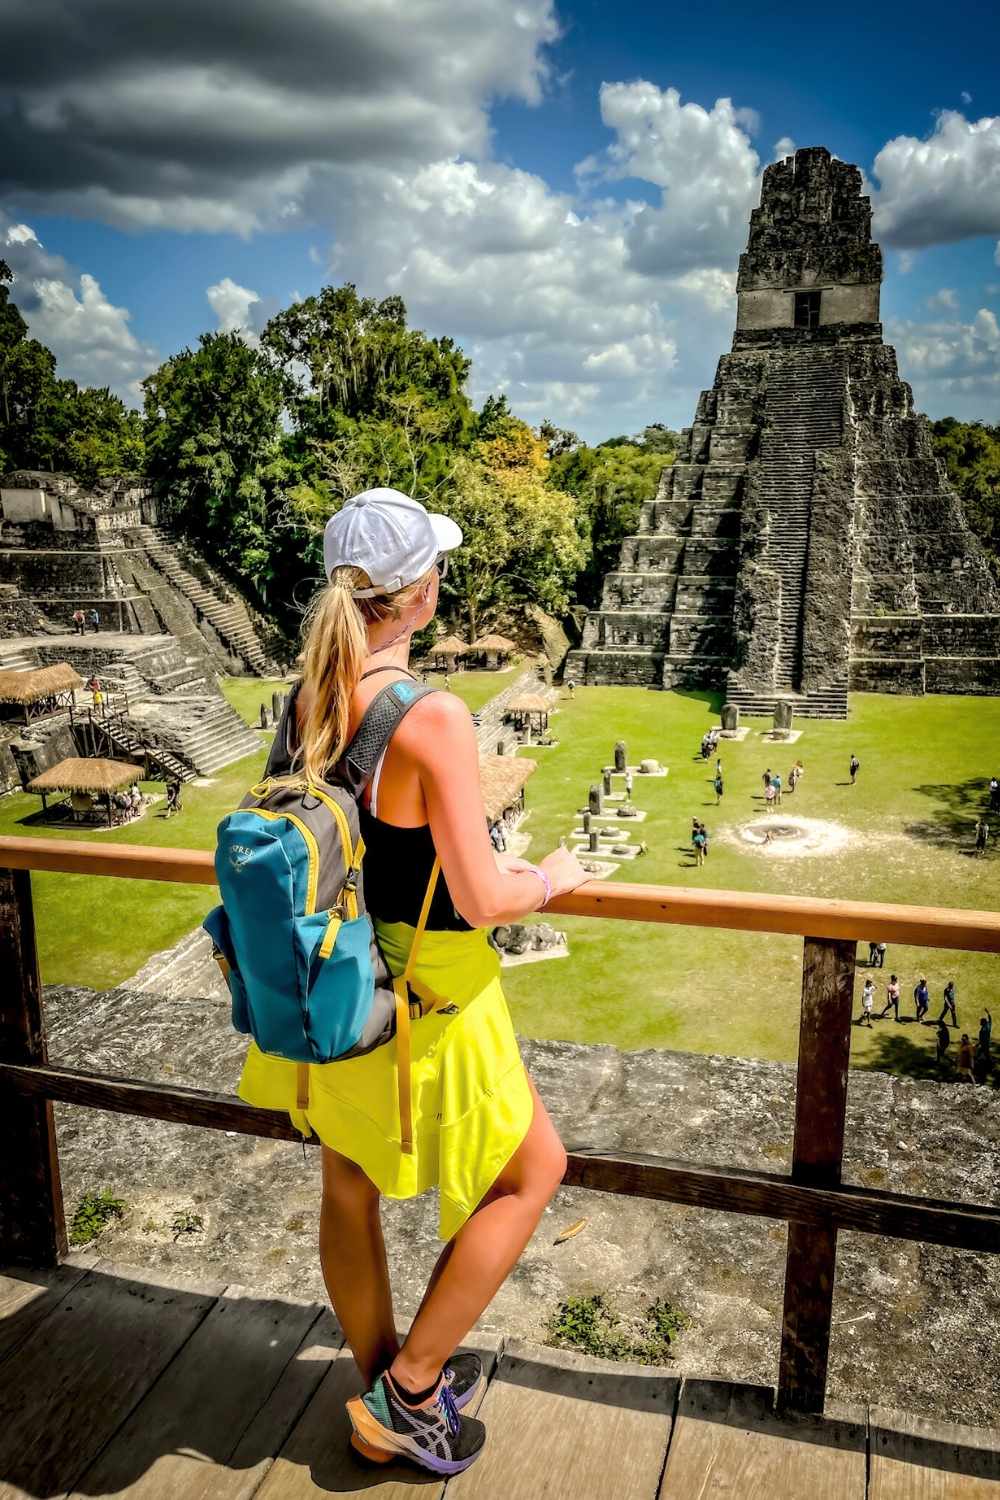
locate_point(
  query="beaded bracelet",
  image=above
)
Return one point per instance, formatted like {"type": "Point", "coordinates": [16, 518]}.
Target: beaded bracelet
{"type": "Point", "coordinates": [546, 882]}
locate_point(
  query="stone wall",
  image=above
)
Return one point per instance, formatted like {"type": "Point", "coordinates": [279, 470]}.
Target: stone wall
{"type": "Point", "coordinates": [913, 1325]}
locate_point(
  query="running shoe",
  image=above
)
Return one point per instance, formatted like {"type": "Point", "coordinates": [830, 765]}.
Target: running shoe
{"type": "Point", "coordinates": [464, 1373]}
{"type": "Point", "coordinates": [432, 1435]}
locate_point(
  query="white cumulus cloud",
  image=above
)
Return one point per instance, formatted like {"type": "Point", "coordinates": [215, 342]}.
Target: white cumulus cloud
{"type": "Point", "coordinates": [91, 337]}
{"type": "Point", "coordinates": [940, 189]}
{"type": "Point", "coordinates": [231, 304]}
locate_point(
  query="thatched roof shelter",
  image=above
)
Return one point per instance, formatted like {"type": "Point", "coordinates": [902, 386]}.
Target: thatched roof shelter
{"type": "Point", "coordinates": [93, 775]}
{"type": "Point", "coordinates": [498, 643]}
{"type": "Point", "coordinates": [450, 645]}
{"type": "Point", "coordinates": [502, 778]}
{"type": "Point", "coordinates": [530, 703]}
{"type": "Point", "coordinates": [36, 683]}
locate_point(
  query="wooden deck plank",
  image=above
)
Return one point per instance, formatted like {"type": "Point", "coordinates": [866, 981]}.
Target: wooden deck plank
{"type": "Point", "coordinates": [727, 1441]}
{"type": "Point", "coordinates": [564, 1427]}
{"type": "Point", "coordinates": [914, 1458]}
{"type": "Point", "coordinates": [318, 1458]}
{"type": "Point", "coordinates": [205, 1401]}
{"type": "Point", "coordinates": [27, 1297]}
{"type": "Point", "coordinates": [83, 1369]}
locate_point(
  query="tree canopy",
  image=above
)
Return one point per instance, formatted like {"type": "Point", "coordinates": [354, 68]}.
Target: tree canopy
{"type": "Point", "coordinates": [971, 451]}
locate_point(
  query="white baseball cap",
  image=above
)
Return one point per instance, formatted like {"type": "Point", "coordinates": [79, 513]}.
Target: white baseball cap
{"type": "Point", "coordinates": [390, 536]}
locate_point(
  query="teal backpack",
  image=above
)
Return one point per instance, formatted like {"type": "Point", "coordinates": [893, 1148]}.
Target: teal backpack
{"type": "Point", "coordinates": [307, 978]}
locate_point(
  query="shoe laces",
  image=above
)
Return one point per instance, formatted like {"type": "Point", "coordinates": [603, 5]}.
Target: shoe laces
{"type": "Point", "coordinates": [447, 1403]}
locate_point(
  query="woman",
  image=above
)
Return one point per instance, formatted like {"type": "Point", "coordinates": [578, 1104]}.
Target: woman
{"type": "Point", "coordinates": [480, 1131]}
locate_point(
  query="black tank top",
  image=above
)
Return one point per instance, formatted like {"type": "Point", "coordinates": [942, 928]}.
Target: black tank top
{"type": "Point", "coordinates": [398, 863]}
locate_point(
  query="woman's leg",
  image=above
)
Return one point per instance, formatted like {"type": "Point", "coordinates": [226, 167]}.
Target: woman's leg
{"type": "Point", "coordinates": [352, 1254]}
{"type": "Point", "coordinates": [475, 1263]}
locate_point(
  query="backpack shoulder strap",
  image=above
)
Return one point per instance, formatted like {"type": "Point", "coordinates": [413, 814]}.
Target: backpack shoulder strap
{"type": "Point", "coordinates": [279, 760]}
{"type": "Point", "coordinates": [381, 719]}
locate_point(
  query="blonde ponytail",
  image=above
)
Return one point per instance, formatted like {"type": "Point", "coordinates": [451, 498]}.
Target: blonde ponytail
{"type": "Point", "coordinates": [333, 658]}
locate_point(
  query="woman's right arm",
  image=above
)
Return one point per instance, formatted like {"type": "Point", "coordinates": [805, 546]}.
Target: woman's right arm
{"type": "Point", "coordinates": [439, 740]}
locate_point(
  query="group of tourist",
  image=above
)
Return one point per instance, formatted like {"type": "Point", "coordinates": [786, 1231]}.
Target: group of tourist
{"type": "Point", "coordinates": [710, 743]}
{"type": "Point", "coordinates": [80, 620]}
{"type": "Point", "coordinates": [127, 805]}
{"type": "Point", "coordinates": [774, 786]}
{"type": "Point", "coordinates": [973, 1062]}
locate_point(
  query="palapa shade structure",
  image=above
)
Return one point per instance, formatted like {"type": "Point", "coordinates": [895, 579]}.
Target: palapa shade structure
{"type": "Point", "coordinates": [527, 707]}
{"type": "Point", "coordinates": [91, 777]}
{"type": "Point", "coordinates": [493, 647]}
{"type": "Point", "coordinates": [450, 645]}
{"type": "Point", "coordinates": [40, 690]}
{"type": "Point", "coordinates": [448, 650]}
{"type": "Point", "coordinates": [502, 778]}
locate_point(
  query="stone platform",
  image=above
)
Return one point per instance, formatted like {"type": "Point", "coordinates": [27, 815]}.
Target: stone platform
{"type": "Point", "coordinates": [916, 1323]}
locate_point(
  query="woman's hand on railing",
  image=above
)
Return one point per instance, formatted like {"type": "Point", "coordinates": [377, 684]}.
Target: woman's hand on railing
{"type": "Point", "coordinates": [564, 870]}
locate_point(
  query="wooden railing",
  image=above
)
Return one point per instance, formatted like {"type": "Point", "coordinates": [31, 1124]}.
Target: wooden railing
{"type": "Point", "coordinates": [812, 1199]}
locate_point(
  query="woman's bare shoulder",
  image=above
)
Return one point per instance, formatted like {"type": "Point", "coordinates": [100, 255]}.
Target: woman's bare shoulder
{"type": "Point", "coordinates": [439, 718]}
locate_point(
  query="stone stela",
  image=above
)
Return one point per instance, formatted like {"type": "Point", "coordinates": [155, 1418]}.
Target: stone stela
{"type": "Point", "coordinates": [807, 540]}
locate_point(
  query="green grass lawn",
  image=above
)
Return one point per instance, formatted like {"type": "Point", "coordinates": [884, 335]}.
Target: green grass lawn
{"type": "Point", "coordinates": [97, 932]}
{"type": "Point", "coordinates": [246, 694]}
{"type": "Point", "coordinates": [476, 688]}
{"type": "Point", "coordinates": [924, 766]}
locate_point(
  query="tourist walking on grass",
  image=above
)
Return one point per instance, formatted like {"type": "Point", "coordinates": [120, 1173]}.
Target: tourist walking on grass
{"type": "Point", "coordinates": [698, 840]}
{"type": "Point", "coordinates": [867, 1003]}
{"type": "Point", "coordinates": [982, 837]}
{"type": "Point", "coordinates": [964, 1061]}
{"type": "Point", "coordinates": [880, 952]}
{"type": "Point", "coordinates": [943, 1042]}
{"type": "Point", "coordinates": [776, 783]}
{"type": "Point", "coordinates": [769, 796]}
{"type": "Point", "coordinates": [854, 768]}
{"type": "Point", "coordinates": [891, 997]}
{"type": "Point", "coordinates": [766, 778]}
{"type": "Point", "coordinates": [628, 786]}
{"type": "Point", "coordinates": [922, 997]}
{"type": "Point", "coordinates": [995, 794]}
{"type": "Point", "coordinates": [949, 1004]}
{"type": "Point", "coordinates": [480, 1130]}
{"type": "Point", "coordinates": [872, 954]}
{"type": "Point", "coordinates": [718, 786]}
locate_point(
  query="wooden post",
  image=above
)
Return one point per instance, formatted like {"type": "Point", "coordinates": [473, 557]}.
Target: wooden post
{"type": "Point", "coordinates": [32, 1223]}
{"type": "Point", "coordinates": [817, 1157]}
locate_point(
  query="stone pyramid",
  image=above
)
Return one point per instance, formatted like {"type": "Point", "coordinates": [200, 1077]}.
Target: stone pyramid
{"type": "Point", "coordinates": [807, 540]}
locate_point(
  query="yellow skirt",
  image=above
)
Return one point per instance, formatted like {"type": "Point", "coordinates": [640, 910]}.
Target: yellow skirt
{"type": "Point", "coordinates": [472, 1104]}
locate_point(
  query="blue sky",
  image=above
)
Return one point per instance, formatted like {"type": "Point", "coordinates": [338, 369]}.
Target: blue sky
{"type": "Point", "coordinates": [166, 174]}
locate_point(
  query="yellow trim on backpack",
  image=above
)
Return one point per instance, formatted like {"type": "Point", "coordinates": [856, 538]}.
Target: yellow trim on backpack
{"type": "Point", "coordinates": [330, 936]}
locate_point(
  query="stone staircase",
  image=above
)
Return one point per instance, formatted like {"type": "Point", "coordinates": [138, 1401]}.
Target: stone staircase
{"type": "Point", "coordinates": [123, 743]}
{"type": "Point", "coordinates": [803, 413]}
{"type": "Point", "coordinates": [221, 607]}
{"type": "Point", "coordinates": [819, 703]}
{"type": "Point", "coordinates": [215, 737]}
{"type": "Point", "coordinates": [16, 659]}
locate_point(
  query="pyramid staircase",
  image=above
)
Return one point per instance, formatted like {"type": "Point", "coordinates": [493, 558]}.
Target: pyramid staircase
{"type": "Point", "coordinates": [16, 659]}
{"type": "Point", "coordinates": [803, 413]}
{"type": "Point", "coordinates": [220, 606]}
{"type": "Point", "coordinates": [124, 744]}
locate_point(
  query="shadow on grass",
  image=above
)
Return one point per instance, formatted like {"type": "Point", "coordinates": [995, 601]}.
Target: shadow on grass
{"type": "Point", "coordinates": [713, 701]}
{"type": "Point", "coordinates": [908, 1059]}
{"type": "Point", "coordinates": [953, 818]}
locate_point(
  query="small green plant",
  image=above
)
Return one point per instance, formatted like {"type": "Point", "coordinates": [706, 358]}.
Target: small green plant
{"type": "Point", "coordinates": [93, 1212]}
{"type": "Point", "coordinates": [150, 1226]}
{"type": "Point", "coordinates": [296, 1222]}
{"type": "Point", "coordinates": [185, 1222]}
{"type": "Point", "coordinates": [592, 1326]}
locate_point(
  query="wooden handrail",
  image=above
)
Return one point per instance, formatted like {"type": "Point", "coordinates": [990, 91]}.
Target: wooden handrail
{"type": "Point", "coordinates": [811, 1198]}
{"type": "Point", "coordinates": [742, 911]}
